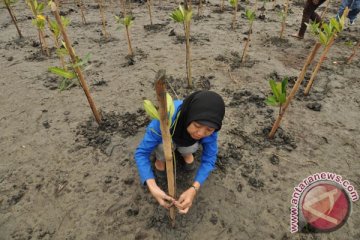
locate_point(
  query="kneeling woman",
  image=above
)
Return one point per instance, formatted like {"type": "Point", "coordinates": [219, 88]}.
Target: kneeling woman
{"type": "Point", "coordinates": [198, 119]}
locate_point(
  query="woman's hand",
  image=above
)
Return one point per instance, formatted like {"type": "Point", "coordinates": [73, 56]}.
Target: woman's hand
{"type": "Point", "coordinates": [163, 199]}
{"type": "Point", "coordinates": [185, 200]}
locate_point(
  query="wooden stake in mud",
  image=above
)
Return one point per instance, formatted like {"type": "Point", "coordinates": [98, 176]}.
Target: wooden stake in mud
{"type": "Point", "coordinates": [317, 68]}
{"type": "Point", "coordinates": [7, 4]}
{"type": "Point", "coordinates": [74, 60]}
{"type": "Point", "coordinates": [294, 89]}
{"type": "Point", "coordinates": [166, 137]}
{"type": "Point", "coordinates": [187, 45]}
{"type": "Point", "coordinates": [355, 48]}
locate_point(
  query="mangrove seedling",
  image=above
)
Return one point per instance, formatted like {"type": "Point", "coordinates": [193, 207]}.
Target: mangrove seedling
{"type": "Point", "coordinates": [126, 21]}
{"type": "Point", "coordinates": [326, 36]}
{"type": "Point", "coordinates": [103, 18]}
{"type": "Point", "coordinates": [283, 15]}
{"type": "Point", "coordinates": [13, 18]}
{"type": "Point", "coordinates": [183, 15]}
{"type": "Point", "coordinates": [39, 22]}
{"type": "Point", "coordinates": [295, 87]}
{"type": "Point", "coordinates": [250, 15]}
{"type": "Point", "coordinates": [234, 4]}
{"type": "Point", "coordinates": [277, 99]}
{"type": "Point", "coordinates": [55, 29]}
{"type": "Point", "coordinates": [76, 62]}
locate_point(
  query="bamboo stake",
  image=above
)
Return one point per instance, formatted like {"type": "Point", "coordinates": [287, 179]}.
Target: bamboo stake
{"type": "Point", "coordinates": [295, 88]}
{"type": "Point", "coordinates": [149, 8]}
{"type": "Point", "coordinates": [74, 58]}
{"type": "Point", "coordinates": [353, 53]}
{"type": "Point", "coordinates": [188, 50]}
{"type": "Point", "coordinates": [166, 137]}
{"type": "Point", "coordinates": [317, 68]}
{"type": "Point", "coordinates": [8, 7]}
{"type": "Point", "coordinates": [222, 5]}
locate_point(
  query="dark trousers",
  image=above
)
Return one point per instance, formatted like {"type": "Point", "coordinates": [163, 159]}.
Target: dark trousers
{"type": "Point", "coordinates": [309, 13]}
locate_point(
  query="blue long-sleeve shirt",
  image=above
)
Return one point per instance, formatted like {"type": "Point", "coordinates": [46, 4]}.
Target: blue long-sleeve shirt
{"type": "Point", "coordinates": [153, 138]}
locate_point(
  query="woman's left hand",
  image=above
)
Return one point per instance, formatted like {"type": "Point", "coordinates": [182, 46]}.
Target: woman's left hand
{"type": "Point", "coordinates": [185, 200]}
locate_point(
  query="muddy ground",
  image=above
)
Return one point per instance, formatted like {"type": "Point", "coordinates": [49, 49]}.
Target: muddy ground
{"type": "Point", "coordinates": [63, 177]}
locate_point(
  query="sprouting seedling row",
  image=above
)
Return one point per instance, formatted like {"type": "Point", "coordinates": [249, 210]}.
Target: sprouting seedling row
{"type": "Point", "coordinates": [76, 62]}
{"type": "Point", "coordinates": [326, 38]}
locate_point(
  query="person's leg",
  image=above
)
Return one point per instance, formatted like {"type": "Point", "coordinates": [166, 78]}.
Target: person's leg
{"type": "Point", "coordinates": [309, 10]}
{"type": "Point", "coordinates": [187, 152]}
{"type": "Point", "coordinates": [160, 158]}
{"type": "Point", "coordinates": [355, 9]}
{"type": "Point", "coordinates": [343, 5]}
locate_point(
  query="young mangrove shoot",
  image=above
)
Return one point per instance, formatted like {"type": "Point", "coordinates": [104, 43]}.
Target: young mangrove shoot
{"type": "Point", "coordinates": [234, 4]}
{"type": "Point", "coordinates": [277, 99]}
{"type": "Point", "coordinates": [250, 15]}
{"type": "Point", "coordinates": [183, 15]}
{"type": "Point", "coordinates": [126, 21]}
{"type": "Point", "coordinates": [326, 36]}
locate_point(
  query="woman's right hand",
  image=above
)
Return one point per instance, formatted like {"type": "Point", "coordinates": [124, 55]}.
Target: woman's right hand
{"type": "Point", "coordinates": [163, 199]}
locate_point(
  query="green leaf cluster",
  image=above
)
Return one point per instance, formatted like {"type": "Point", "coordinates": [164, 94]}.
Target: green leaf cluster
{"type": "Point", "coordinates": [233, 3]}
{"type": "Point", "coordinates": [38, 7]}
{"type": "Point", "coordinates": [126, 21]}
{"type": "Point", "coordinates": [250, 15]}
{"type": "Point", "coordinates": [181, 15]}
{"type": "Point", "coordinates": [151, 110]}
{"type": "Point", "coordinates": [279, 92]}
{"type": "Point", "coordinates": [54, 27]}
{"type": "Point", "coordinates": [327, 30]}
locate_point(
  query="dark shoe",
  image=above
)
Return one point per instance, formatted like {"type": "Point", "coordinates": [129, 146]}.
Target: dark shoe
{"type": "Point", "coordinates": [160, 174]}
{"type": "Point", "coordinates": [189, 167]}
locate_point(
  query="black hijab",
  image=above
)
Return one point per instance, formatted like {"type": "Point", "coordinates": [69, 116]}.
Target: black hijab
{"type": "Point", "coordinates": [203, 106]}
